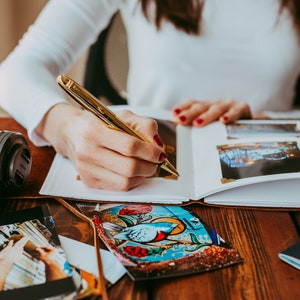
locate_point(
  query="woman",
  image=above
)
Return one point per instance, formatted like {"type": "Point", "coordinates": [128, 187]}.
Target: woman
{"type": "Point", "coordinates": [206, 60]}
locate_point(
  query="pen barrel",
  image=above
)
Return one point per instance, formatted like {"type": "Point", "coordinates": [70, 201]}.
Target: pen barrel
{"type": "Point", "coordinates": [101, 111]}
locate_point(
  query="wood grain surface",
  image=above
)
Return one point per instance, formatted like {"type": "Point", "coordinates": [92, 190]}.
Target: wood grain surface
{"type": "Point", "coordinates": [259, 235]}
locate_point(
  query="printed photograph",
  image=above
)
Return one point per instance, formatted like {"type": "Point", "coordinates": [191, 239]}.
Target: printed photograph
{"type": "Point", "coordinates": [243, 130]}
{"type": "Point", "coordinates": [246, 160]}
{"type": "Point", "coordinates": [159, 241]}
{"type": "Point", "coordinates": [32, 261]}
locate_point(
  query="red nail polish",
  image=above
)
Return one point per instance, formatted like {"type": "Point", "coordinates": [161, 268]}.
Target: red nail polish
{"type": "Point", "coordinates": [182, 118]}
{"type": "Point", "coordinates": [158, 141]}
{"type": "Point", "coordinates": [225, 118]}
{"type": "Point", "coordinates": [177, 111]}
{"type": "Point", "coordinates": [162, 156]}
{"type": "Point", "coordinates": [199, 121]}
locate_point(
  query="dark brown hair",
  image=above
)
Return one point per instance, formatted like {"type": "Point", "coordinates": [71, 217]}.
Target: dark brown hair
{"type": "Point", "coordinates": [294, 8]}
{"type": "Point", "coordinates": [186, 14]}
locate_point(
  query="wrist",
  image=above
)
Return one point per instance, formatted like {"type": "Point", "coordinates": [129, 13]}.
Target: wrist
{"type": "Point", "coordinates": [56, 124]}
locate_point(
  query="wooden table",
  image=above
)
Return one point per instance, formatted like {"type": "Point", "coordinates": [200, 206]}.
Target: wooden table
{"type": "Point", "coordinates": [258, 235]}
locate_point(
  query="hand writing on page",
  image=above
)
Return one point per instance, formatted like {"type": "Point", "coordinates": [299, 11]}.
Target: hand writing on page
{"type": "Point", "coordinates": [103, 157]}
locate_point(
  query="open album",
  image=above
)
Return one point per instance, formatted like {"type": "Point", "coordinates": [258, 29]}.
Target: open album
{"type": "Point", "coordinates": [248, 163]}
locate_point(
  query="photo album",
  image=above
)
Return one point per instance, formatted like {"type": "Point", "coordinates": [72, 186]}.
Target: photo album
{"type": "Point", "coordinates": [154, 241]}
{"type": "Point", "coordinates": [248, 163]}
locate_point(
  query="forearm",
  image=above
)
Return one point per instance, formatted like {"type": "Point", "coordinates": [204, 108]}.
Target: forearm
{"type": "Point", "coordinates": [5, 267]}
{"type": "Point", "coordinates": [27, 76]}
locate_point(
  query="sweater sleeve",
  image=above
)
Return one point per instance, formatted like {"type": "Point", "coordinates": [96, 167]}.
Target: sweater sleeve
{"type": "Point", "coordinates": [62, 32]}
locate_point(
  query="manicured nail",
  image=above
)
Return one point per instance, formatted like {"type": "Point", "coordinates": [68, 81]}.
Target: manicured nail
{"type": "Point", "coordinates": [177, 111]}
{"type": "Point", "coordinates": [225, 118]}
{"type": "Point", "coordinates": [182, 118]}
{"type": "Point", "coordinates": [163, 156]}
{"type": "Point", "coordinates": [158, 141]}
{"type": "Point", "coordinates": [199, 121]}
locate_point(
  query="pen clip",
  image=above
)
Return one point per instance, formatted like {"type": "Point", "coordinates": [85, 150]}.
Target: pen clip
{"type": "Point", "coordinates": [83, 98]}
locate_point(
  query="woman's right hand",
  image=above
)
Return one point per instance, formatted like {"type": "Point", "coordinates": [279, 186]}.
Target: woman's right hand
{"type": "Point", "coordinates": [104, 158]}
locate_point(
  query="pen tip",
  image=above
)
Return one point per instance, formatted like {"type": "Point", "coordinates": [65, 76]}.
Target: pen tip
{"type": "Point", "coordinates": [167, 166]}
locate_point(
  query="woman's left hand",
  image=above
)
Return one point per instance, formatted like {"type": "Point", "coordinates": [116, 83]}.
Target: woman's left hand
{"type": "Point", "coordinates": [201, 113]}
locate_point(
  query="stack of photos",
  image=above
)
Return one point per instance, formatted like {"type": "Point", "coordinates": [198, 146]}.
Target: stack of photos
{"type": "Point", "coordinates": [32, 262]}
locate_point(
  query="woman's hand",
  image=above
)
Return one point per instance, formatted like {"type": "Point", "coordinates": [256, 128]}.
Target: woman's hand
{"type": "Point", "coordinates": [13, 251]}
{"type": "Point", "coordinates": [104, 158]}
{"type": "Point", "coordinates": [201, 113]}
{"type": "Point", "coordinates": [8, 256]}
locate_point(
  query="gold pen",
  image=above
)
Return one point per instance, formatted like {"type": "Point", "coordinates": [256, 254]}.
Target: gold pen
{"type": "Point", "coordinates": [95, 106]}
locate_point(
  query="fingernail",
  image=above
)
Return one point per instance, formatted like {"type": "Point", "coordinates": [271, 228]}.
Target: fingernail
{"type": "Point", "coordinates": [199, 121]}
{"type": "Point", "coordinates": [225, 118]}
{"type": "Point", "coordinates": [158, 141]}
{"type": "Point", "coordinates": [182, 118]}
{"type": "Point", "coordinates": [177, 111]}
{"type": "Point", "coordinates": [163, 156]}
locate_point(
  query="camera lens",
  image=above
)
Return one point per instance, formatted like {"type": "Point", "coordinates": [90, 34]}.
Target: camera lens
{"type": "Point", "coordinates": [15, 160]}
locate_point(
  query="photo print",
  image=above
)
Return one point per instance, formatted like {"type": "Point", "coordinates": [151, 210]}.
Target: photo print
{"type": "Point", "coordinates": [244, 130]}
{"type": "Point", "coordinates": [239, 161]}
{"type": "Point", "coordinates": [153, 241]}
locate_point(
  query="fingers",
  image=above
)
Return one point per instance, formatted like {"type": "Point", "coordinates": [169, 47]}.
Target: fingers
{"type": "Point", "coordinates": [178, 109]}
{"type": "Point", "coordinates": [115, 172]}
{"type": "Point", "coordinates": [146, 127]}
{"type": "Point", "coordinates": [201, 113]}
{"type": "Point", "coordinates": [107, 158]}
{"type": "Point", "coordinates": [94, 137]}
{"type": "Point", "coordinates": [240, 110]}
{"type": "Point", "coordinates": [114, 160]}
{"type": "Point", "coordinates": [99, 177]}
{"type": "Point", "coordinates": [215, 110]}
{"type": "Point", "coordinates": [187, 112]}
{"type": "Point", "coordinates": [13, 250]}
